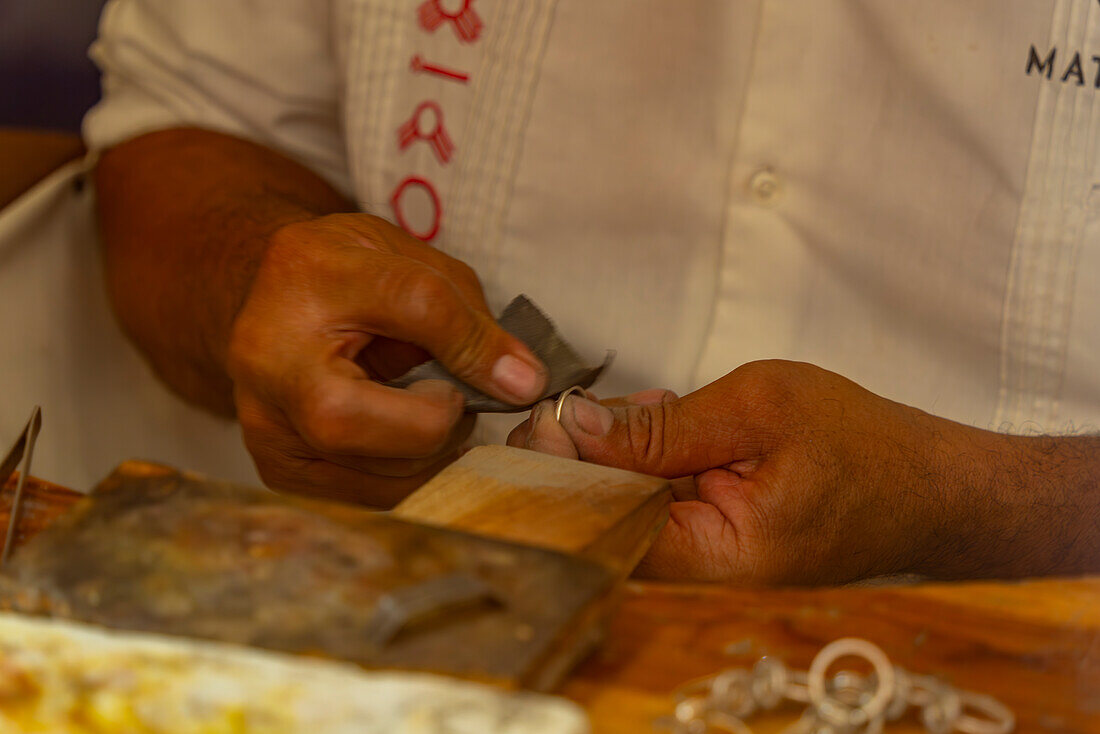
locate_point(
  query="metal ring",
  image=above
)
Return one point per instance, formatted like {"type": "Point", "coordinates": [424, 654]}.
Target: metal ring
{"type": "Point", "coordinates": [731, 691]}
{"type": "Point", "coordinates": [942, 712]}
{"type": "Point", "coordinates": [997, 718]}
{"type": "Point", "coordinates": [903, 685]}
{"type": "Point", "coordinates": [561, 400]}
{"type": "Point", "coordinates": [769, 681]}
{"type": "Point", "coordinates": [798, 690]}
{"type": "Point", "coordinates": [830, 708]}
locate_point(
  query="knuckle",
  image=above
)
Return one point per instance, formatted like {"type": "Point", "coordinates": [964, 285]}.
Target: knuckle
{"type": "Point", "coordinates": [764, 384]}
{"type": "Point", "coordinates": [427, 295]}
{"type": "Point", "coordinates": [431, 432]}
{"type": "Point", "coordinates": [649, 434]}
{"type": "Point", "coordinates": [272, 465]}
{"type": "Point", "coordinates": [301, 251]}
{"type": "Point", "coordinates": [248, 351]}
{"type": "Point", "coordinates": [364, 229]}
{"type": "Point", "coordinates": [241, 358]}
{"type": "Point", "coordinates": [322, 423]}
{"type": "Point", "coordinates": [466, 354]}
{"type": "Point", "coordinates": [466, 274]}
{"type": "Point", "coordinates": [289, 247]}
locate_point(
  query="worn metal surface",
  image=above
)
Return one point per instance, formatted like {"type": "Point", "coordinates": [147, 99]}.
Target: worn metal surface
{"type": "Point", "coordinates": [527, 323]}
{"type": "Point", "coordinates": [183, 555]}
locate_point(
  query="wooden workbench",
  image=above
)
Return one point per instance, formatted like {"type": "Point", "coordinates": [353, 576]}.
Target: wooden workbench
{"type": "Point", "coordinates": [1035, 645]}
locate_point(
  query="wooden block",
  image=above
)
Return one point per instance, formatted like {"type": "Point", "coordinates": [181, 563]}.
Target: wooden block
{"type": "Point", "coordinates": [608, 515]}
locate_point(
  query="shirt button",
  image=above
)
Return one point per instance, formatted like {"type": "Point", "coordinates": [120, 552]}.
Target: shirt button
{"type": "Point", "coordinates": [765, 186]}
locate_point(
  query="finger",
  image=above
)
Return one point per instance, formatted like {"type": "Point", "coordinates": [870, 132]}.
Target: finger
{"type": "Point", "coordinates": [285, 463]}
{"type": "Point", "coordinates": [541, 432]}
{"type": "Point", "coordinates": [546, 435]}
{"type": "Point", "coordinates": [406, 467]}
{"type": "Point", "coordinates": [652, 396]}
{"type": "Point", "coordinates": [404, 299]}
{"type": "Point", "coordinates": [517, 437]}
{"type": "Point", "coordinates": [683, 489]}
{"type": "Point", "coordinates": [324, 480]}
{"type": "Point", "coordinates": [726, 490]}
{"type": "Point", "coordinates": [669, 438]}
{"type": "Point", "coordinates": [384, 359]}
{"type": "Point", "coordinates": [698, 543]}
{"type": "Point", "coordinates": [354, 416]}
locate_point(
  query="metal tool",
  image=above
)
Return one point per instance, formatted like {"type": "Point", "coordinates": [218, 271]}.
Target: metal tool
{"type": "Point", "coordinates": [21, 450]}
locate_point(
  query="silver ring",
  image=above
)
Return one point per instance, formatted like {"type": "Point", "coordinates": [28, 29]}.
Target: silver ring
{"type": "Point", "coordinates": [561, 400]}
{"type": "Point", "coordinates": [994, 717]}
{"type": "Point", "coordinates": [836, 712]}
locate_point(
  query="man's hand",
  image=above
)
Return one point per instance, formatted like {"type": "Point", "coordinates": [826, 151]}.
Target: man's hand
{"type": "Point", "coordinates": [340, 304]}
{"type": "Point", "coordinates": [232, 270]}
{"type": "Point", "coordinates": [792, 474]}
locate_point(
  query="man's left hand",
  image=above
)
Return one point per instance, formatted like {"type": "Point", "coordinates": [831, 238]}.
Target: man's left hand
{"type": "Point", "coordinates": [787, 473]}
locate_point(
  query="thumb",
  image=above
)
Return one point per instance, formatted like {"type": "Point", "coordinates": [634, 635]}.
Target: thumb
{"type": "Point", "coordinates": [672, 438]}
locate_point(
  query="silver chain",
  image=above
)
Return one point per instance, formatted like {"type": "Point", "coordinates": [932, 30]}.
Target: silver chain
{"type": "Point", "coordinates": [846, 703]}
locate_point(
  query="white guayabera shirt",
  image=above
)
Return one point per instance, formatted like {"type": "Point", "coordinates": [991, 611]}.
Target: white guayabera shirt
{"type": "Point", "coordinates": [905, 193]}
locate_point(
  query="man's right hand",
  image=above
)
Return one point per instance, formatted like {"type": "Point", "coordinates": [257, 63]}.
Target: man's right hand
{"type": "Point", "coordinates": [230, 269]}
{"type": "Point", "coordinates": [340, 304]}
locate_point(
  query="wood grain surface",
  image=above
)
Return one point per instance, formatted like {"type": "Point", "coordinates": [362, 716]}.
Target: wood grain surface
{"type": "Point", "coordinates": [1035, 645]}
{"type": "Point", "coordinates": [605, 514]}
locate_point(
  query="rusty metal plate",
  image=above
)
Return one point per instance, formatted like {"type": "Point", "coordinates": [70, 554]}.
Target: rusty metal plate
{"type": "Point", "coordinates": [183, 555]}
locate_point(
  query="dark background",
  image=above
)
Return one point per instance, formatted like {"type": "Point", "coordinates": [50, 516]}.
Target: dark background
{"type": "Point", "coordinates": [46, 79]}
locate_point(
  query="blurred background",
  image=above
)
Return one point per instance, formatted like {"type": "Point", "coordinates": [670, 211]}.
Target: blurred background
{"type": "Point", "coordinates": [46, 85]}
{"type": "Point", "coordinates": [100, 401]}
{"type": "Point", "coordinates": [46, 79]}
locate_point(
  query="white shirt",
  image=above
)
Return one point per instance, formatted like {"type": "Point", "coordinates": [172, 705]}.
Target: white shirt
{"type": "Point", "coordinates": [893, 191]}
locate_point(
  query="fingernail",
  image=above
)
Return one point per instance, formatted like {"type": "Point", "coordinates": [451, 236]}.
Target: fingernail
{"type": "Point", "coordinates": [516, 377]}
{"type": "Point", "coordinates": [592, 418]}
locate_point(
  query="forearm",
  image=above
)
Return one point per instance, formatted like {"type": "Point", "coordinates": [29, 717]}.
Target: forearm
{"type": "Point", "coordinates": [1024, 505]}
{"type": "Point", "coordinates": [185, 217]}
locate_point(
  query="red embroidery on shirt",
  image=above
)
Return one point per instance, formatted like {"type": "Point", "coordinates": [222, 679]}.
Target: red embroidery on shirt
{"type": "Point", "coordinates": [419, 65]}
{"type": "Point", "coordinates": [399, 214]}
{"type": "Point", "coordinates": [412, 130]}
{"type": "Point", "coordinates": [466, 22]}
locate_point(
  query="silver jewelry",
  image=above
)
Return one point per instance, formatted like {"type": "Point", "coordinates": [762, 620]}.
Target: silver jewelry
{"type": "Point", "coordinates": [847, 703]}
{"type": "Point", "coordinates": [561, 400]}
